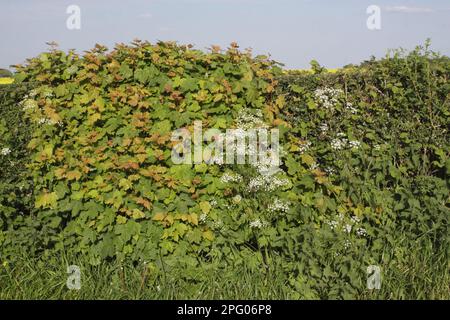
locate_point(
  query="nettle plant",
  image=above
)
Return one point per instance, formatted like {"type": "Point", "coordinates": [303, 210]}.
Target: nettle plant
{"type": "Point", "coordinates": [256, 192]}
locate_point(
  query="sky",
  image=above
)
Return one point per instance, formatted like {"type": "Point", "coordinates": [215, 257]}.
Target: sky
{"type": "Point", "coordinates": [293, 32]}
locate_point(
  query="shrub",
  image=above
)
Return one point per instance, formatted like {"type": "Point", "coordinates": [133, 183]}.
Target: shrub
{"type": "Point", "coordinates": [364, 178]}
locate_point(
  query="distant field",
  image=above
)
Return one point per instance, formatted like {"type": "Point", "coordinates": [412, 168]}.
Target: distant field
{"type": "Point", "coordinates": [6, 80]}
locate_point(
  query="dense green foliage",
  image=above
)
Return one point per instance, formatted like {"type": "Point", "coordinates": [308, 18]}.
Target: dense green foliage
{"type": "Point", "coordinates": [5, 73]}
{"type": "Point", "coordinates": [364, 179]}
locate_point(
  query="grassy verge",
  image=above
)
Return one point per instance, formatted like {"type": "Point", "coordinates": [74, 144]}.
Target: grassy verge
{"type": "Point", "coordinates": [416, 274]}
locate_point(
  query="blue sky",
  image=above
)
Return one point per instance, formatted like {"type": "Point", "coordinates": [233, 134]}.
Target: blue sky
{"type": "Point", "coordinates": [293, 32]}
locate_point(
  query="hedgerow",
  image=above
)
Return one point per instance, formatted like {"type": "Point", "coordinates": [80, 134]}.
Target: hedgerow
{"type": "Point", "coordinates": [364, 178]}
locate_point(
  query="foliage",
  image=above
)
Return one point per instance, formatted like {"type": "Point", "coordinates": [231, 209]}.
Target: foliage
{"type": "Point", "coordinates": [364, 178]}
{"type": "Point", "coordinates": [104, 181]}
{"type": "Point", "coordinates": [5, 73]}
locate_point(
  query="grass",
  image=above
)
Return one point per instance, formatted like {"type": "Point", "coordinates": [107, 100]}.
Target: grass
{"type": "Point", "coordinates": [408, 274]}
{"type": "Point", "coordinates": [36, 279]}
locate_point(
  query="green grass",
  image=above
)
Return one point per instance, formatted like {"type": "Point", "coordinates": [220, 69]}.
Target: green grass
{"type": "Point", "coordinates": [35, 279]}
{"type": "Point", "coordinates": [412, 274]}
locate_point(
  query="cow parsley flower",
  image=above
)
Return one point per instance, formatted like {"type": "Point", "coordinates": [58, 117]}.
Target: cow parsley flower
{"type": "Point", "coordinates": [258, 224]}
{"type": "Point", "coordinates": [355, 144]}
{"type": "Point", "coordinates": [218, 225]}
{"type": "Point", "coordinates": [33, 93]}
{"type": "Point", "coordinates": [5, 151]}
{"type": "Point", "coordinates": [324, 128]}
{"type": "Point", "coordinates": [333, 224]}
{"type": "Point", "coordinates": [248, 119]}
{"type": "Point", "coordinates": [304, 146]}
{"type": "Point", "coordinates": [349, 106]}
{"type": "Point", "coordinates": [29, 104]}
{"type": "Point", "coordinates": [361, 232]}
{"type": "Point", "coordinates": [314, 166]}
{"type": "Point", "coordinates": [279, 206]}
{"type": "Point", "coordinates": [347, 244]}
{"type": "Point", "coordinates": [338, 143]}
{"type": "Point", "coordinates": [327, 97]}
{"type": "Point", "coordinates": [202, 218]}
{"type": "Point", "coordinates": [348, 228]}
{"type": "Point", "coordinates": [229, 177]}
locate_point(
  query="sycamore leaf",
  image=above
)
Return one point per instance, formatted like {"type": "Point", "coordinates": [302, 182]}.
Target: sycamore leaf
{"type": "Point", "coordinates": [208, 235]}
{"type": "Point", "coordinates": [205, 207]}
{"type": "Point", "coordinates": [46, 200]}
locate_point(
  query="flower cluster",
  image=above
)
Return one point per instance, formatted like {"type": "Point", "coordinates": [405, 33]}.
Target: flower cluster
{"type": "Point", "coordinates": [218, 225]}
{"type": "Point", "coordinates": [347, 225]}
{"type": "Point", "coordinates": [327, 97]}
{"type": "Point", "coordinates": [349, 106]}
{"type": "Point", "coordinates": [279, 206]}
{"type": "Point", "coordinates": [50, 122]}
{"type": "Point", "coordinates": [340, 143]}
{"type": "Point", "coordinates": [267, 181]}
{"type": "Point", "coordinates": [354, 144]}
{"type": "Point", "coordinates": [231, 177]}
{"type": "Point", "coordinates": [202, 219]}
{"type": "Point", "coordinates": [258, 224]}
{"type": "Point", "coordinates": [304, 146]}
{"type": "Point", "coordinates": [28, 104]}
{"type": "Point", "coordinates": [5, 151]}
{"type": "Point", "coordinates": [323, 128]}
{"type": "Point", "coordinates": [247, 119]}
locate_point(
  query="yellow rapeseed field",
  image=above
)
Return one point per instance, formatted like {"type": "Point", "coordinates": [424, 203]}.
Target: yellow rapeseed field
{"type": "Point", "coordinates": [6, 81]}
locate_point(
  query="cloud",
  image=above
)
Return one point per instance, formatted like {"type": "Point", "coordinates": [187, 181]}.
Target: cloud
{"type": "Point", "coordinates": [406, 9]}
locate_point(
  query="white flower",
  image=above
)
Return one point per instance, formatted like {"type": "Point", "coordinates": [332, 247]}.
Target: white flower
{"type": "Point", "coordinates": [327, 97]}
{"type": "Point", "coordinates": [237, 199]}
{"type": "Point", "coordinates": [361, 232]}
{"type": "Point", "coordinates": [229, 177]}
{"type": "Point", "coordinates": [266, 183]}
{"type": "Point", "coordinates": [50, 122]}
{"type": "Point", "coordinates": [33, 93]}
{"type": "Point", "coordinates": [348, 228]}
{"type": "Point", "coordinates": [5, 151]}
{"type": "Point", "coordinates": [203, 218]}
{"type": "Point", "coordinates": [248, 119]}
{"type": "Point", "coordinates": [349, 106]}
{"type": "Point", "coordinates": [333, 224]}
{"type": "Point", "coordinates": [338, 143]}
{"type": "Point", "coordinates": [218, 225]}
{"type": "Point", "coordinates": [330, 171]}
{"type": "Point", "coordinates": [347, 244]}
{"type": "Point", "coordinates": [258, 224]}
{"type": "Point", "coordinates": [323, 127]}
{"type": "Point", "coordinates": [314, 166]}
{"type": "Point", "coordinates": [28, 104]}
{"type": "Point", "coordinates": [279, 206]}
{"type": "Point", "coordinates": [304, 146]}
{"type": "Point", "coordinates": [355, 144]}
